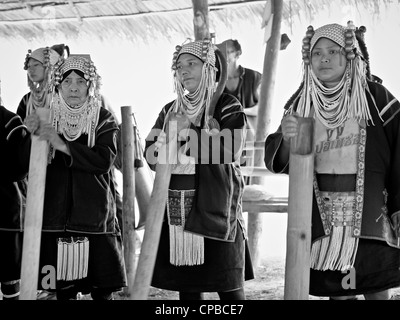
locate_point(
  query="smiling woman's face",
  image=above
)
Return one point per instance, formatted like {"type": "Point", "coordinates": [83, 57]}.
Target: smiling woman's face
{"type": "Point", "coordinates": [328, 62]}
{"type": "Point", "coordinates": [74, 89]}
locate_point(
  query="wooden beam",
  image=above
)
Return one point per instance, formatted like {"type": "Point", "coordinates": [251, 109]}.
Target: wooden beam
{"type": "Point", "coordinates": [264, 119]}
{"type": "Point", "coordinates": [75, 10]}
{"type": "Point", "coordinates": [200, 19]}
{"type": "Point", "coordinates": [128, 15]}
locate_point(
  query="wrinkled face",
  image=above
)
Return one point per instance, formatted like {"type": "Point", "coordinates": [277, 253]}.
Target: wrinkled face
{"type": "Point", "coordinates": [328, 61]}
{"type": "Point", "coordinates": [35, 70]}
{"type": "Point", "coordinates": [74, 89]}
{"type": "Point", "coordinates": [189, 71]}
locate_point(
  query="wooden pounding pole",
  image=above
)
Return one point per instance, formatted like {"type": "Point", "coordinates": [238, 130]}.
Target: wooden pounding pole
{"type": "Point", "coordinates": [264, 121]}
{"type": "Point", "coordinates": [154, 219]}
{"type": "Point", "coordinates": [298, 246]}
{"type": "Point", "coordinates": [34, 213]}
{"type": "Point", "coordinates": [128, 197]}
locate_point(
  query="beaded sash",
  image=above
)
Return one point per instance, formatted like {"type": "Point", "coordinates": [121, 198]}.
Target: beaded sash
{"type": "Point", "coordinates": [185, 248]}
{"type": "Point", "coordinates": [338, 250]}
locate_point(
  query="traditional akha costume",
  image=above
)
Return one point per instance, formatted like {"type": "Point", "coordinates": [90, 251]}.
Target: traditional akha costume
{"type": "Point", "coordinates": [203, 244]}
{"type": "Point", "coordinates": [81, 236]}
{"type": "Point", "coordinates": [357, 173]}
{"type": "Point", "coordinates": [39, 94]}
{"type": "Point", "coordinates": [14, 143]}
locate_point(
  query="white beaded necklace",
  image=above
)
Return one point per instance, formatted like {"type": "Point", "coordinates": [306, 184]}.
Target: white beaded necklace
{"type": "Point", "coordinates": [333, 106]}
{"type": "Point", "coordinates": [193, 104]}
{"type": "Point", "coordinates": [72, 122]}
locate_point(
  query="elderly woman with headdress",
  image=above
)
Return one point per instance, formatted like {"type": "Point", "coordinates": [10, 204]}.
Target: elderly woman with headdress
{"type": "Point", "coordinates": [203, 244]}
{"type": "Point", "coordinates": [81, 236]}
{"type": "Point", "coordinates": [356, 202]}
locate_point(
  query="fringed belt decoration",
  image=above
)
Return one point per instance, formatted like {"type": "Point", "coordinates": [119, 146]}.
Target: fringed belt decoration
{"type": "Point", "coordinates": [72, 258]}
{"type": "Point", "coordinates": [336, 251]}
{"type": "Point", "coordinates": [186, 249]}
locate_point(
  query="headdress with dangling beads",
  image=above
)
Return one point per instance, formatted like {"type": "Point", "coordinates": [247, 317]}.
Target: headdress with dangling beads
{"type": "Point", "coordinates": [71, 121]}
{"type": "Point", "coordinates": [193, 104]}
{"type": "Point", "coordinates": [333, 106]}
{"type": "Point", "coordinates": [41, 91]}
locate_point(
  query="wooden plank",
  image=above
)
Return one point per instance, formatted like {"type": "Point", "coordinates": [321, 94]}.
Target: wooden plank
{"type": "Point", "coordinates": [278, 204]}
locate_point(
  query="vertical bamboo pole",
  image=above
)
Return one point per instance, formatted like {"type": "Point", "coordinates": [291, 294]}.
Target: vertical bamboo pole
{"type": "Point", "coordinates": [154, 219]}
{"type": "Point", "coordinates": [264, 121]}
{"type": "Point", "coordinates": [34, 213]}
{"type": "Point", "coordinates": [301, 168]}
{"type": "Point", "coordinates": [128, 197]}
{"type": "Point", "coordinates": [143, 186]}
{"type": "Point", "coordinates": [200, 19]}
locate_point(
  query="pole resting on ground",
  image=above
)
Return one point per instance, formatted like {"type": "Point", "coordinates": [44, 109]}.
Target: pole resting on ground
{"type": "Point", "coordinates": [34, 213]}
{"type": "Point", "coordinates": [301, 168]}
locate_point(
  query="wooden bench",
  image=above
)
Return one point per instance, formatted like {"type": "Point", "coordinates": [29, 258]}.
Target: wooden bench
{"type": "Point", "coordinates": [257, 200]}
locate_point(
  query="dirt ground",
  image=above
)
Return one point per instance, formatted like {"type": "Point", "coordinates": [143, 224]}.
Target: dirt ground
{"type": "Point", "coordinates": [267, 285]}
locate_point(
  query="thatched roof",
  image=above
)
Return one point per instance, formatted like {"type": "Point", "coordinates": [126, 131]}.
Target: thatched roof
{"type": "Point", "coordinates": [140, 19]}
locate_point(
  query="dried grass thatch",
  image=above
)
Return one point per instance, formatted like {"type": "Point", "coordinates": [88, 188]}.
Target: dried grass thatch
{"type": "Point", "coordinates": [142, 20]}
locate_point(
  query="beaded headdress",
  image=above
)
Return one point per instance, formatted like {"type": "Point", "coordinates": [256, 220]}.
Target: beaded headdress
{"type": "Point", "coordinates": [73, 121]}
{"type": "Point", "coordinates": [84, 64]}
{"type": "Point", "coordinates": [46, 56]}
{"type": "Point", "coordinates": [41, 91]}
{"type": "Point", "coordinates": [193, 104]}
{"type": "Point", "coordinates": [204, 50]}
{"type": "Point", "coordinates": [333, 106]}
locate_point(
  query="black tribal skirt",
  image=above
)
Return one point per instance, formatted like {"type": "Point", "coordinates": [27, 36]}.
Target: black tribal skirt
{"type": "Point", "coordinates": [11, 255]}
{"type": "Point", "coordinates": [226, 266]}
{"type": "Point", "coordinates": [376, 269]}
{"type": "Point", "coordinates": [106, 268]}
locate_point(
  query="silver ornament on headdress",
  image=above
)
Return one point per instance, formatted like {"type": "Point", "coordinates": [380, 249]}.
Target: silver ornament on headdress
{"type": "Point", "coordinates": [194, 104]}
{"type": "Point", "coordinates": [204, 50]}
{"type": "Point", "coordinates": [333, 106]}
{"type": "Point", "coordinates": [84, 64]}
{"type": "Point", "coordinates": [70, 121]}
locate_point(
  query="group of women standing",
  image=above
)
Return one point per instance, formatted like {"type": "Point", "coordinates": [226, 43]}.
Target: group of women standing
{"type": "Point", "coordinates": [203, 242]}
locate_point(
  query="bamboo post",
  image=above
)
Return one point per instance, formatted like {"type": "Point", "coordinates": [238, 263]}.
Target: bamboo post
{"type": "Point", "coordinates": [154, 219]}
{"type": "Point", "coordinates": [143, 186]}
{"type": "Point", "coordinates": [128, 196]}
{"type": "Point", "coordinates": [298, 246]}
{"type": "Point", "coordinates": [264, 121]}
{"type": "Point", "coordinates": [200, 19]}
{"type": "Point", "coordinates": [34, 213]}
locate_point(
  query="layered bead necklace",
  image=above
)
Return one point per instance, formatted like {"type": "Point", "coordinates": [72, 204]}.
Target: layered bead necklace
{"type": "Point", "coordinates": [40, 93]}
{"type": "Point", "coordinates": [333, 106]}
{"type": "Point", "coordinates": [72, 122]}
{"type": "Point", "coordinates": [193, 104]}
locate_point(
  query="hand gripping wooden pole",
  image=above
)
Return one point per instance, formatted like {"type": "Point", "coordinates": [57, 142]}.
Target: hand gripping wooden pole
{"type": "Point", "coordinates": [34, 213]}
{"type": "Point", "coordinates": [301, 167]}
{"type": "Point", "coordinates": [128, 196]}
{"type": "Point", "coordinates": [154, 219]}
